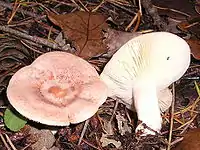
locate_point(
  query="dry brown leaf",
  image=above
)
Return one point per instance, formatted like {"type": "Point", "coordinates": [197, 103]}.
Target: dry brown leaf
{"type": "Point", "coordinates": [106, 141]}
{"type": "Point", "coordinates": [122, 124]}
{"type": "Point", "coordinates": [115, 39]}
{"type": "Point", "coordinates": [84, 29]}
{"type": "Point", "coordinates": [191, 140]}
{"type": "Point", "coordinates": [197, 6]}
{"type": "Point", "coordinates": [195, 48]}
{"type": "Point", "coordinates": [39, 138]}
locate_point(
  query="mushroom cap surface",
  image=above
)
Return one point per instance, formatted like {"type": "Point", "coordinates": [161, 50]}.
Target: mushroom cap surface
{"type": "Point", "coordinates": [161, 57]}
{"type": "Point", "coordinates": [58, 88]}
{"type": "Point", "coordinates": [142, 68]}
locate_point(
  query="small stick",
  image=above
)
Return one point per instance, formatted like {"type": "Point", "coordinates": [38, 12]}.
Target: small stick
{"type": "Point", "coordinates": [153, 12]}
{"type": "Point", "coordinates": [83, 131]}
{"type": "Point", "coordinates": [176, 141]}
{"type": "Point", "coordinates": [174, 10]}
{"type": "Point", "coordinates": [115, 108]}
{"type": "Point", "coordinates": [95, 9]}
{"type": "Point", "coordinates": [9, 6]}
{"type": "Point", "coordinates": [136, 17]}
{"type": "Point", "coordinates": [4, 142]}
{"type": "Point", "coordinates": [132, 22]}
{"type": "Point", "coordinates": [138, 21]}
{"type": "Point", "coordinates": [37, 51]}
{"type": "Point", "coordinates": [85, 8]}
{"type": "Point", "coordinates": [140, 7]}
{"type": "Point", "coordinates": [189, 122]}
{"type": "Point", "coordinates": [32, 38]}
{"type": "Point", "coordinates": [90, 144]}
{"type": "Point", "coordinates": [10, 142]}
{"type": "Point", "coordinates": [127, 114]}
{"type": "Point", "coordinates": [14, 12]}
{"type": "Point", "coordinates": [172, 118]}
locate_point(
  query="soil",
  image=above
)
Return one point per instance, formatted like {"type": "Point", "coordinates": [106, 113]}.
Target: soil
{"type": "Point", "coordinates": [17, 51]}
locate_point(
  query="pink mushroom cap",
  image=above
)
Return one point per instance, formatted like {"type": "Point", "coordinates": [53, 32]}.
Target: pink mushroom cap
{"type": "Point", "coordinates": [57, 89]}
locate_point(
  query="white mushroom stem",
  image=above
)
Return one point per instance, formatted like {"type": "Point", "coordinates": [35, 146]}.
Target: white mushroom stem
{"type": "Point", "coordinates": [142, 69]}
{"type": "Point", "coordinates": [147, 107]}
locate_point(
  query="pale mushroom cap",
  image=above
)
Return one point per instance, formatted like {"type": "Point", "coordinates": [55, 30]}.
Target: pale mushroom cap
{"type": "Point", "coordinates": [58, 88]}
{"type": "Point", "coordinates": [142, 68]}
{"type": "Point", "coordinates": [159, 56]}
{"type": "Point", "coordinates": [169, 57]}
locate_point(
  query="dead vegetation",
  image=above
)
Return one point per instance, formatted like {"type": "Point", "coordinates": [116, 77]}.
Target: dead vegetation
{"type": "Point", "coordinates": [26, 32]}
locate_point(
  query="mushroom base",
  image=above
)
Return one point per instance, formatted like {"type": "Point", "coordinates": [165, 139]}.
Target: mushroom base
{"type": "Point", "coordinates": [147, 107]}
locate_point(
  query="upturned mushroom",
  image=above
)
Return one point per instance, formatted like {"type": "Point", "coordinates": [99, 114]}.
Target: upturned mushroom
{"type": "Point", "coordinates": [57, 89]}
{"type": "Point", "coordinates": [141, 69]}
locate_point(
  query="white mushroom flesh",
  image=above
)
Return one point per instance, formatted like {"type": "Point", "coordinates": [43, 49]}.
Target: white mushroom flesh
{"type": "Point", "coordinates": [142, 67]}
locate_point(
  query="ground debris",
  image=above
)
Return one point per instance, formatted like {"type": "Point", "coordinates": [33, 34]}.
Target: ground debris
{"type": "Point", "coordinates": [38, 35]}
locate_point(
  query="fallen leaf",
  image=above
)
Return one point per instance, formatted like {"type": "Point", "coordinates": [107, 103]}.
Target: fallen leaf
{"type": "Point", "coordinates": [61, 41]}
{"type": "Point", "coordinates": [195, 48]}
{"type": "Point", "coordinates": [13, 120]}
{"type": "Point", "coordinates": [108, 127]}
{"type": "Point", "coordinates": [190, 141]}
{"type": "Point", "coordinates": [114, 39]}
{"type": "Point", "coordinates": [106, 141]}
{"type": "Point", "coordinates": [84, 29]}
{"type": "Point", "coordinates": [197, 6]}
{"type": "Point", "coordinates": [191, 25]}
{"type": "Point", "coordinates": [185, 25]}
{"type": "Point", "coordinates": [122, 124]}
{"type": "Point", "coordinates": [13, 56]}
{"type": "Point", "coordinates": [40, 138]}
{"type": "Point", "coordinates": [175, 7]}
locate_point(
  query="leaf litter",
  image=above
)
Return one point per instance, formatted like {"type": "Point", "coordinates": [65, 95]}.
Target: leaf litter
{"type": "Point", "coordinates": [85, 30]}
{"type": "Point", "coordinates": [90, 42]}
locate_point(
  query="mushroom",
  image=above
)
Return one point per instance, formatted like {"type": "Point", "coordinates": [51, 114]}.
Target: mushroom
{"type": "Point", "coordinates": [141, 69]}
{"type": "Point", "coordinates": [57, 89]}
{"type": "Point", "coordinates": [164, 100]}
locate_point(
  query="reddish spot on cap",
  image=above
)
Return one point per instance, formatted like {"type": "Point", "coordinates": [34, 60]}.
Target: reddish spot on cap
{"type": "Point", "coordinates": [58, 88]}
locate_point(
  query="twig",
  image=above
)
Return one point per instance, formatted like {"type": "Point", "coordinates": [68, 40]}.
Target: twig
{"type": "Point", "coordinates": [189, 122]}
{"type": "Point", "coordinates": [187, 126]}
{"type": "Point", "coordinates": [136, 17]}
{"type": "Point", "coordinates": [172, 118]}
{"type": "Point", "coordinates": [96, 8]}
{"type": "Point", "coordinates": [173, 10]}
{"type": "Point", "coordinates": [83, 131]}
{"type": "Point", "coordinates": [127, 114]}
{"type": "Point", "coordinates": [98, 143]}
{"type": "Point", "coordinates": [138, 21]}
{"type": "Point", "coordinates": [85, 8]}
{"type": "Point", "coordinates": [4, 142]}
{"type": "Point", "coordinates": [8, 5]}
{"type": "Point", "coordinates": [176, 141]}
{"type": "Point", "coordinates": [35, 39]}
{"type": "Point", "coordinates": [13, 12]}
{"type": "Point", "coordinates": [10, 142]}
{"type": "Point", "coordinates": [26, 146]}
{"type": "Point", "coordinates": [114, 110]}
{"type": "Point", "coordinates": [113, 2]}
{"type": "Point", "coordinates": [90, 144]}
{"type": "Point", "coordinates": [153, 12]}
{"type": "Point", "coordinates": [140, 7]}
{"type": "Point", "coordinates": [132, 22]}
{"type": "Point", "coordinates": [37, 51]}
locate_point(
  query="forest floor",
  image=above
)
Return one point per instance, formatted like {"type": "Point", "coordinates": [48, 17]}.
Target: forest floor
{"type": "Point", "coordinates": [27, 30]}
